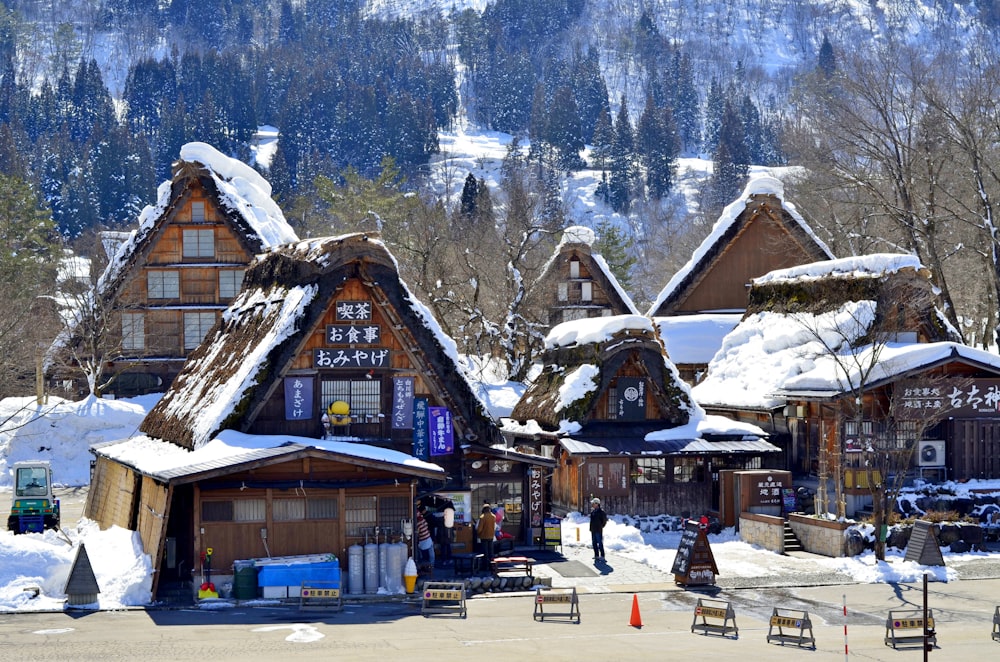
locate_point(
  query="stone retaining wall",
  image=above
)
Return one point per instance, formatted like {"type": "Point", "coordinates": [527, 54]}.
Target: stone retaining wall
{"type": "Point", "coordinates": [819, 536]}
{"type": "Point", "coordinates": [767, 531]}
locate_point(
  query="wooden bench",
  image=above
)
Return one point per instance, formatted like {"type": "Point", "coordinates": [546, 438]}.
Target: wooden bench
{"type": "Point", "coordinates": [512, 565]}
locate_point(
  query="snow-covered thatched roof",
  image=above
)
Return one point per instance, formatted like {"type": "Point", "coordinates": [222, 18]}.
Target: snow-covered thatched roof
{"type": "Point", "coordinates": [286, 293]}
{"type": "Point", "coordinates": [582, 358]}
{"type": "Point", "coordinates": [817, 327]}
{"type": "Point", "coordinates": [243, 196]}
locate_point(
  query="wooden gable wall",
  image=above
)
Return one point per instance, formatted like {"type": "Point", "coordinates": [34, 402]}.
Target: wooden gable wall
{"type": "Point", "coordinates": [402, 363]}
{"type": "Point", "coordinates": [762, 245]}
{"type": "Point", "coordinates": [564, 292]}
{"type": "Point", "coordinates": [199, 282]}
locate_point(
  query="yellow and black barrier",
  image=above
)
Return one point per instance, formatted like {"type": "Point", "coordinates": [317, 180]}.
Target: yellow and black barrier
{"type": "Point", "coordinates": [996, 625]}
{"type": "Point", "coordinates": [788, 626]}
{"type": "Point", "coordinates": [320, 595]}
{"type": "Point", "coordinates": [715, 617]}
{"type": "Point", "coordinates": [444, 598]}
{"type": "Point", "coordinates": [557, 596]}
{"type": "Point", "coordinates": [901, 624]}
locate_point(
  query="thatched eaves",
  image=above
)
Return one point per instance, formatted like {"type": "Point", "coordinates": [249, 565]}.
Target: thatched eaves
{"type": "Point", "coordinates": [228, 379]}
{"type": "Point", "coordinates": [581, 364]}
{"type": "Point", "coordinates": [904, 296]}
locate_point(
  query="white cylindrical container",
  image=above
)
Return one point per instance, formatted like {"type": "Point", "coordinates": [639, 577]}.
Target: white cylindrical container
{"type": "Point", "coordinates": [383, 560]}
{"type": "Point", "coordinates": [371, 568]}
{"type": "Point", "coordinates": [394, 567]}
{"type": "Point", "coordinates": [356, 569]}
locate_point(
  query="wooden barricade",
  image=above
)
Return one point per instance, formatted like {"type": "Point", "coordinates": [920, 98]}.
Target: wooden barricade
{"type": "Point", "coordinates": [444, 598]}
{"type": "Point", "coordinates": [788, 619]}
{"type": "Point", "coordinates": [320, 595]}
{"type": "Point", "coordinates": [715, 610]}
{"type": "Point", "coordinates": [900, 626]}
{"type": "Point", "coordinates": [996, 625]}
{"type": "Point", "coordinates": [557, 596]}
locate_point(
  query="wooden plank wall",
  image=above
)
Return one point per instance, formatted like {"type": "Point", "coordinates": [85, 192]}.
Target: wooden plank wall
{"type": "Point", "coordinates": [152, 523]}
{"type": "Point", "coordinates": [109, 503]}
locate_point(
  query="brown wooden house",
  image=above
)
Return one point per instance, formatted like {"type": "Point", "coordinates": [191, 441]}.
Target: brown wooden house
{"type": "Point", "coordinates": [170, 279]}
{"type": "Point", "coordinates": [611, 409]}
{"type": "Point", "coordinates": [756, 234]}
{"type": "Point", "coordinates": [325, 348]}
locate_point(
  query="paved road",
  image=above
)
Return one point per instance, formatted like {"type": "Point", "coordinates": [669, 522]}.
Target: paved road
{"type": "Point", "coordinates": [504, 628]}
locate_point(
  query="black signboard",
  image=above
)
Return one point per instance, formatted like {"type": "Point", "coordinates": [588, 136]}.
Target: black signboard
{"type": "Point", "coordinates": [694, 563]}
{"type": "Point", "coordinates": [685, 549]}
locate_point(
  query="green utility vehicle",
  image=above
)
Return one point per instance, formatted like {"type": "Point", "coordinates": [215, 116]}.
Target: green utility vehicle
{"type": "Point", "coordinates": [33, 508]}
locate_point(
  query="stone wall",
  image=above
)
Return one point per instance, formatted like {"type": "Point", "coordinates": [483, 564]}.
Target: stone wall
{"type": "Point", "coordinates": [819, 536]}
{"type": "Point", "coordinates": [766, 531]}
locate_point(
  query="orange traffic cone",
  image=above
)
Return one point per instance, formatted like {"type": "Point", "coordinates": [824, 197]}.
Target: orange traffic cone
{"type": "Point", "coordinates": [636, 620]}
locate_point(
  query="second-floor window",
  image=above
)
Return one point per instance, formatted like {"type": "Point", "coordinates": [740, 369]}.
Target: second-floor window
{"type": "Point", "coordinates": [198, 212]}
{"type": "Point", "coordinates": [230, 281]}
{"type": "Point", "coordinates": [133, 331]}
{"type": "Point", "coordinates": [163, 284]}
{"type": "Point", "coordinates": [196, 325]}
{"type": "Point", "coordinates": [199, 243]}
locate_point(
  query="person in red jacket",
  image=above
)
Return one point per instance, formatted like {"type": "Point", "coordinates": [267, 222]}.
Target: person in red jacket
{"type": "Point", "coordinates": [424, 541]}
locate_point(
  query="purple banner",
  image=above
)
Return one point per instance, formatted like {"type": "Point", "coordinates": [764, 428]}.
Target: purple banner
{"type": "Point", "coordinates": [402, 403]}
{"type": "Point", "coordinates": [298, 398]}
{"type": "Point", "coordinates": [442, 433]}
{"type": "Point", "coordinates": [421, 429]}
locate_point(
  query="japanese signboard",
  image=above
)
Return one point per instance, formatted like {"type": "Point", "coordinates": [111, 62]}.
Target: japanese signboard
{"type": "Point", "coordinates": [631, 399]}
{"type": "Point", "coordinates": [768, 489]}
{"type": "Point", "coordinates": [421, 429]}
{"type": "Point", "coordinates": [979, 397]}
{"type": "Point", "coordinates": [298, 398]}
{"type": "Point", "coordinates": [353, 311]}
{"type": "Point", "coordinates": [350, 358]}
{"type": "Point", "coordinates": [353, 334]}
{"type": "Point", "coordinates": [442, 434]}
{"type": "Point", "coordinates": [535, 496]}
{"type": "Point", "coordinates": [402, 403]}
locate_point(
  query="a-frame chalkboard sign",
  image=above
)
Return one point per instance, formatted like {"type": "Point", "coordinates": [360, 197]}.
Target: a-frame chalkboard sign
{"type": "Point", "coordinates": [694, 564]}
{"type": "Point", "coordinates": [923, 545]}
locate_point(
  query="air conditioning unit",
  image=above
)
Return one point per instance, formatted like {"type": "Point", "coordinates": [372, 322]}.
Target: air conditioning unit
{"type": "Point", "coordinates": [931, 453]}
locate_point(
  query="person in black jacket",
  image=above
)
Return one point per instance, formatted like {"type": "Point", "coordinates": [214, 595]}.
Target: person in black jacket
{"type": "Point", "coordinates": [598, 519]}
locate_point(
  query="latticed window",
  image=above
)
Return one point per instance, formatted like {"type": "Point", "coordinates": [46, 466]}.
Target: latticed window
{"type": "Point", "coordinates": [363, 396]}
{"type": "Point", "coordinates": [230, 281]}
{"type": "Point", "coordinates": [163, 284]}
{"type": "Point", "coordinates": [133, 331]}
{"type": "Point", "coordinates": [196, 326]}
{"type": "Point", "coordinates": [199, 243]}
{"type": "Point", "coordinates": [360, 515]}
{"type": "Point", "coordinates": [650, 470]}
{"type": "Point", "coordinates": [689, 470]}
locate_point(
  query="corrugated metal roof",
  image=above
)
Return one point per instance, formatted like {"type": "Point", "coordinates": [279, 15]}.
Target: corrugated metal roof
{"type": "Point", "coordinates": [667, 447]}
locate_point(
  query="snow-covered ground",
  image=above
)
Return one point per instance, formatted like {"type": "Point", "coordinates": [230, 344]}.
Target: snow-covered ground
{"type": "Point", "coordinates": [62, 432]}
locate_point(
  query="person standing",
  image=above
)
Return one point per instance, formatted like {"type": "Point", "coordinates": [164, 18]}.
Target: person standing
{"type": "Point", "coordinates": [598, 520]}
{"type": "Point", "coordinates": [424, 541]}
{"type": "Point", "coordinates": [486, 531]}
